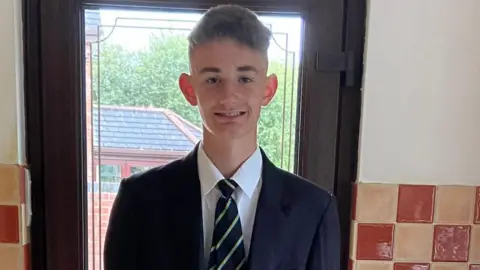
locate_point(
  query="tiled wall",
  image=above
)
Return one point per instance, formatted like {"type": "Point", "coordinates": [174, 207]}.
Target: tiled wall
{"type": "Point", "coordinates": [14, 248]}
{"type": "Point", "coordinates": [415, 227]}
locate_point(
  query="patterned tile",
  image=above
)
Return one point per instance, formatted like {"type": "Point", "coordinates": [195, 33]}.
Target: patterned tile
{"type": "Point", "coordinates": [415, 203]}
{"type": "Point", "coordinates": [428, 228]}
{"type": "Point", "coordinates": [451, 243]}
{"type": "Point", "coordinates": [375, 241]}
{"type": "Point", "coordinates": [9, 224]}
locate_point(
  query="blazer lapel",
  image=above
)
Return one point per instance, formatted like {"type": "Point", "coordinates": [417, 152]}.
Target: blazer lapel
{"type": "Point", "coordinates": [188, 215]}
{"type": "Point", "coordinates": [270, 219]}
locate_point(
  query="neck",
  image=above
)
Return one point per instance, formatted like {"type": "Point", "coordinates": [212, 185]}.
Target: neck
{"type": "Point", "coordinates": [228, 155]}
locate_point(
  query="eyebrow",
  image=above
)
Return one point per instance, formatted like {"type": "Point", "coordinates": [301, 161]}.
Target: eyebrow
{"type": "Point", "coordinates": [209, 69]}
{"type": "Point", "coordinates": [217, 70]}
{"type": "Point", "coordinates": [247, 68]}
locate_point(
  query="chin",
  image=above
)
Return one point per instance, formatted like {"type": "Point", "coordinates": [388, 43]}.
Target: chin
{"type": "Point", "coordinates": [229, 130]}
{"type": "Point", "coordinates": [232, 133]}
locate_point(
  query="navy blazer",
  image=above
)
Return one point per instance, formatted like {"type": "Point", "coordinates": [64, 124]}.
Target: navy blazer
{"type": "Point", "coordinates": [156, 222]}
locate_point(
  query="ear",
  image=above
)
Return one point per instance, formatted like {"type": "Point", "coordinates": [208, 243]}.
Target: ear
{"type": "Point", "coordinates": [187, 89]}
{"type": "Point", "coordinates": [271, 89]}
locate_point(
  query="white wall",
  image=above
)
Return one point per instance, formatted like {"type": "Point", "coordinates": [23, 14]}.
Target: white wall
{"type": "Point", "coordinates": [11, 84]}
{"type": "Point", "coordinates": [421, 108]}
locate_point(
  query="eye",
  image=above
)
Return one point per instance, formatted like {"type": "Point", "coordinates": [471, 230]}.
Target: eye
{"type": "Point", "coordinates": [245, 80]}
{"type": "Point", "coordinates": [212, 80]}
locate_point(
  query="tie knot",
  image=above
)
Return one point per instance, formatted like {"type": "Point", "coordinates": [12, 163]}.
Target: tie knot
{"type": "Point", "coordinates": [227, 186]}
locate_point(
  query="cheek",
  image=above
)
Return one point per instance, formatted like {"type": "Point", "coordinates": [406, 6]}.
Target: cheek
{"type": "Point", "coordinates": [206, 102]}
{"type": "Point", "coordinates": [256, 106]}
{"type": "Point", "coordinates": [256, 97]}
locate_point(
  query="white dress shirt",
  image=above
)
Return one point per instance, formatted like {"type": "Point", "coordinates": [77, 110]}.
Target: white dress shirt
{"type": "Point", "coordinates": [249, 180]}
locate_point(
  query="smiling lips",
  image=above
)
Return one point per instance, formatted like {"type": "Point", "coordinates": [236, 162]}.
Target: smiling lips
{"type": "Point", "coordinates": [229, 115]}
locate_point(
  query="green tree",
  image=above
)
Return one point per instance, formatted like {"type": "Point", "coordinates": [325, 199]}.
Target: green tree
{"type": "Point", "coordinates": [149, 78]}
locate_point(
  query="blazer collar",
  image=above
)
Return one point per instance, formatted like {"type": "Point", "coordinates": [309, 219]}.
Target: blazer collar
{"type": "Point", "coordinates": [272, 212]}
{"type": "Point", "coordinates": [270, 219]}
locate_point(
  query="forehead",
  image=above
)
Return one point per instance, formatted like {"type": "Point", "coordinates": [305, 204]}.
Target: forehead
{"type": "Point", "coordinates": [226, 54]}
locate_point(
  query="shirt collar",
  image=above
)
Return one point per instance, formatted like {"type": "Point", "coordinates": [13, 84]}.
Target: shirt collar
{"type": "Point", "coordinates": [247, 176]}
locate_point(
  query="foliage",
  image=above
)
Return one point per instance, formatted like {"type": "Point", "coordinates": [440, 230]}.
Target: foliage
{"type": "Point", "coordinates": [149, 78]}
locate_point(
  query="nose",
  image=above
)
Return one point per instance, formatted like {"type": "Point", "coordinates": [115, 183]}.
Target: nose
{"type": "Point", "coordinates": [229, 93]}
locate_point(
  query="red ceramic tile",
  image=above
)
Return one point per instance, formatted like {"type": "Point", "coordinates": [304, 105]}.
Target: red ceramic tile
{"type": "Point", "coordinates": [375, 242]}
{"type": "Point", "coordinates": [474, 266]}
{"type": "Point", "coordinates": [26, 257]}
{"type": "Point", "coordinates": [354, 201]}
{"type": "Point", "coordinates": [411, 266]}
{"type": "Point", "coordinates": [451, 243]}
{"type": "Point", "coordinates": [477, 208]}
{"type": "Point", "coordinates": [415, 203]}
{"type": "Point", "coordinates": [9, 224]}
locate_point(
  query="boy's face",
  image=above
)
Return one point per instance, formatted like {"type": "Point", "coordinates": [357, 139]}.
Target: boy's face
{"type": "Point", "coordinates": [228, 83]}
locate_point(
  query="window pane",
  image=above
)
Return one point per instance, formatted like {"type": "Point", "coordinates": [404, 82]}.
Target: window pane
{"type": "Point", "coordinates": [136, 114]}
{"type": "Point", "coordinates": [137, 169]}
{"type": "Point", "coordinates": [109, 173]}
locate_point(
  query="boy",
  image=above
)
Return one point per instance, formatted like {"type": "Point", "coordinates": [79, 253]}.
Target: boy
{"type": "Point", "coordinates": [224, 205]}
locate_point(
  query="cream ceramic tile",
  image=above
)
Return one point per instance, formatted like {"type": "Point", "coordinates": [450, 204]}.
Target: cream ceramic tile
{"type": "Point", "coordinates": [9, 184]}
{"type": "Point", "coordinates": [10, 257]}
{"type": "Point", "coordinates": [475, 245]}
{"type": "Point", "coordinates": [373, 265]}
{"type": "Point", "coordinates": [353, 240]}
{"type": "Point", "coordinates": [413, 242]}
{"type": "Point", "coordinates": [377, 203]}
{"type": "Point", "coordinates": [455, 205]}
{"type": "Point", "coordinates": [24, 229]}
{"type": "Point", "coordinates": [449, 266]}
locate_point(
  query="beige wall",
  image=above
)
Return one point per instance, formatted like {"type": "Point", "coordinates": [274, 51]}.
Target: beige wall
{"type": "Point", "coordinates": [421, 108]}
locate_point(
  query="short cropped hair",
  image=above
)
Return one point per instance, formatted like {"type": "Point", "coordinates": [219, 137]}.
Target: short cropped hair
{"type": "Point", "coordinates": [233, 22]}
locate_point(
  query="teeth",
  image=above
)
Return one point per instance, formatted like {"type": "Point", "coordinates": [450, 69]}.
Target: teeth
{"type": "Point", "coordinates": [231, 114]}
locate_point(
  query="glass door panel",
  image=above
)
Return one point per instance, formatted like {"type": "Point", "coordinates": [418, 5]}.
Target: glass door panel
{"type": "Point", "coordinates": [136, 116]}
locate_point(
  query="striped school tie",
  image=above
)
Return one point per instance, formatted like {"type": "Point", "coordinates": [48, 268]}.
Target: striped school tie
{"type": "Point", "coordinates": [227, 251]}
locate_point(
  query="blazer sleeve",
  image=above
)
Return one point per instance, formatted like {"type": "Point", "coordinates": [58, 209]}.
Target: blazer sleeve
{"type": "Point", "coordinates": [325, 251]}
{"type": "Point", "coordinates": [120, 250]}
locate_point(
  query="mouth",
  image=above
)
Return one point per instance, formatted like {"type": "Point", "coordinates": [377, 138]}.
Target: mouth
{"type": "Point", "coordinates": [230, 114]}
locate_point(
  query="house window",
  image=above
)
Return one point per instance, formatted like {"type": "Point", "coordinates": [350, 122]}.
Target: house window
{"type": "Point", "coordinates": [109, 173]}
{"type": "Point", "coordinates": [138, 169]}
